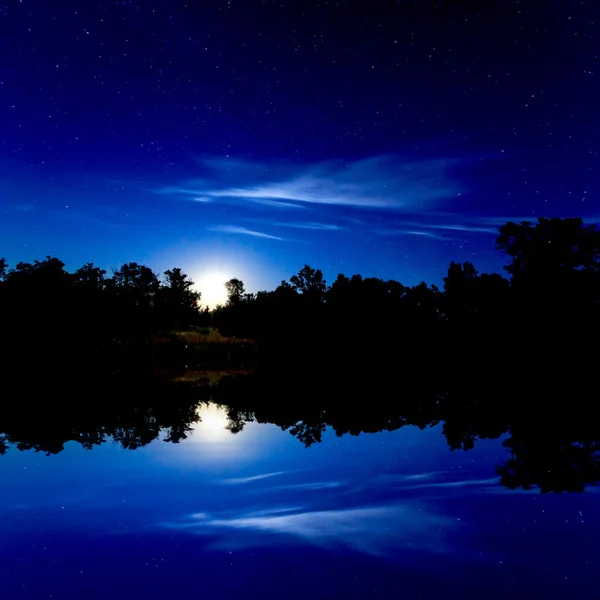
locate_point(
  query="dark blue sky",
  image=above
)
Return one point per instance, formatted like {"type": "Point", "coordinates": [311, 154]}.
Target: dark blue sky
{"type": "Point", "coordinates": [248, 138]}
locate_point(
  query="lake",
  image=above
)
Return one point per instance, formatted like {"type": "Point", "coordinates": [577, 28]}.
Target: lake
{"type": "Point", "coordinates": [256, 513]}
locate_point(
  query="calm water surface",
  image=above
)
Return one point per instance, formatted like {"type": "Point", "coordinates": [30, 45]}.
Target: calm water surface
{"type": "Point", "coordinates": [387, 515]}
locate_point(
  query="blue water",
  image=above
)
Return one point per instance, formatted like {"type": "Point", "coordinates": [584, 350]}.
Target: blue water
{"type": "Point", "coordinates": [388, 515]}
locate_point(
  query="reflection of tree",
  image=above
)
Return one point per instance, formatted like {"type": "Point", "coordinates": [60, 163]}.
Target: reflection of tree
{"type": "Point", "coordinates": [549, 448]}
{"type": "Point", "coordinates": [132, 416]}
{"type": "Point", "coordinates": [552, 464]}
{"type": "Point", "coordinates": [553, 449]}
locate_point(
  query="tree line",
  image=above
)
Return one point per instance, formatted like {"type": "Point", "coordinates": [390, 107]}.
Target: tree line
{"type": "Point", "coordinates": [551, 294]}
{"type": "Point", "coordinates": [549, 301]}
{"type": "Point", "coordinates": [43, 297]}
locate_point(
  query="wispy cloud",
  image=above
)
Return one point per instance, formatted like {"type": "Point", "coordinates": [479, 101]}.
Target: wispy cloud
{"type": "Point", "coordinates": [236, 230]}
{"type": "Point", "coordinates": [469, 483]}
{"type": "Point", "coordinates": [315, 226]}
{"type": "Point", "coordinates": [388, 181]}
{"type": "Point", "coordinates": [440, 226]}
{"type": "Point", "coordinates": [371, 529]}
{"type": "Point", "coordinates": [242, 480]}
{"type": "Point", "coordinates": [276, 510]}
{"type": "Point", "coordinates": [466, 228]}
{"type": "Point", "coordinates": [425, 234]}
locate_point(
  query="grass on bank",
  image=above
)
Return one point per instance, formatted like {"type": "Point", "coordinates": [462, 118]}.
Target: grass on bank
{"type": "Point", "coordinates": [207, 336]}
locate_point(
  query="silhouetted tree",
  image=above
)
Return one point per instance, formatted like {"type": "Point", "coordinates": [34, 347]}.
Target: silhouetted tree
{"type": "Point", "coordinates": [310, 283]}
{"type": "Point", "coordinates": [137, 280]}
{"type": "Point", "coordinates": [178, 301]}
{"type": "Point", "coordinates": [90, 278]}
{"type": "Point", "coordinates": [134, 288]}
{"type": "Point", "coordinates": [235, 291]}
{"type": "Point", "coordinates": [470, 297]}
{"type": "Point", "coordinates": [549, 248]}
{"type": "Point", "coordinates": [36, 295]}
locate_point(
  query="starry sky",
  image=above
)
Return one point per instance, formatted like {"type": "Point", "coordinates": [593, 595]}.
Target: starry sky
{"type": "Point", "coordinates": [248, 138]}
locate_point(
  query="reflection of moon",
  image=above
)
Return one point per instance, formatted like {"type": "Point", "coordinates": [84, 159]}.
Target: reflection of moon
{"type": "Point", "coordinates": [213, 423]}
{"type": "Point", "coordinates": [212, 287]}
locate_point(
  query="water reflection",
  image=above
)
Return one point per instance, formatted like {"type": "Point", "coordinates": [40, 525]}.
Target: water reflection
{"type": "Point", "coordinates": [552, 451]}
{"type": "Point", "coordinates": [212, 424]}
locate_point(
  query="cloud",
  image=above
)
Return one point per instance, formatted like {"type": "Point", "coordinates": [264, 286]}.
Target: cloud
{"type": "Point", "coordinates": [440, 230]}
{"type": "Point", "coordinates": [234, 229]}
{"type": "Point", "coordinates": [242, 480]}
{"type": "Point", "coordinates": [388, 181]}
{"type": "Point", "coordinates": [377, 530]}
{"type": "Point", "coordinates": [315, 226]}
{"type": "Point", "coordinates": [456, 484]}
{"type": "Point", "coordinates": [466, 228]}
{"type": "Point", "coordinates": [278, 203]}
{"type": "Point", "coordinates": [274, 511]}
{"type": "Point", "coordinates": [425, 234]}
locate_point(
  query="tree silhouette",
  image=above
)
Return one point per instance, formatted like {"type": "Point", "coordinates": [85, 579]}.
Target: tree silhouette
{"type": "Point", "coordinates": [179, 302]}
{"type": "Point", "coordinates": [235, 291]}
{"type": "Point", "coordinates": [90, 278]}
{"type": "Point", "coordinates": [310, 283]}
{"type": "Point", "coordinates": [549, 248]}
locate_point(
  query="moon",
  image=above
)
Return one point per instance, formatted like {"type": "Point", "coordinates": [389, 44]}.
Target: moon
{"type": "Point", "coordinates": [211, 285]}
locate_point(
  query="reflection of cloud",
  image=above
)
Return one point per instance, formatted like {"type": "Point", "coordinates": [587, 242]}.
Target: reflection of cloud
{"type": "Point", "coordinates": [234, 229]}
{"type": "Point", "coordinates": [242, 480]}
{"type": "Point", "coordinates": [378, 182]}
{"type": "Point", "coordinates": [399, 477]}
{"type": "Point", "coordinates": [432, 480]}
{"type": "Point", "coordinates": [373, 530]}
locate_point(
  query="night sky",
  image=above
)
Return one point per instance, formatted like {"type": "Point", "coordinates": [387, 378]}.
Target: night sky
{"type": "Point", "coordinates": [248, 138]}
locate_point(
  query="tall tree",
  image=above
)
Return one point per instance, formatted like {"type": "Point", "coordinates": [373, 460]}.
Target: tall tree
{"type": "Point", "coordinates": [550, 247]}
{"type": "Point", "coordinates": [137, 282]}
{"type": "Point", "coordinates": [178, 299]}
{"type": "Point", "coordinates": [310, 283]}
{"type": "Point", "coordinates": [89, 277]}
{"type": "Point", "coordinates": [134, 288]}
{"type": "Point", "coordinates": [235, 290]}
